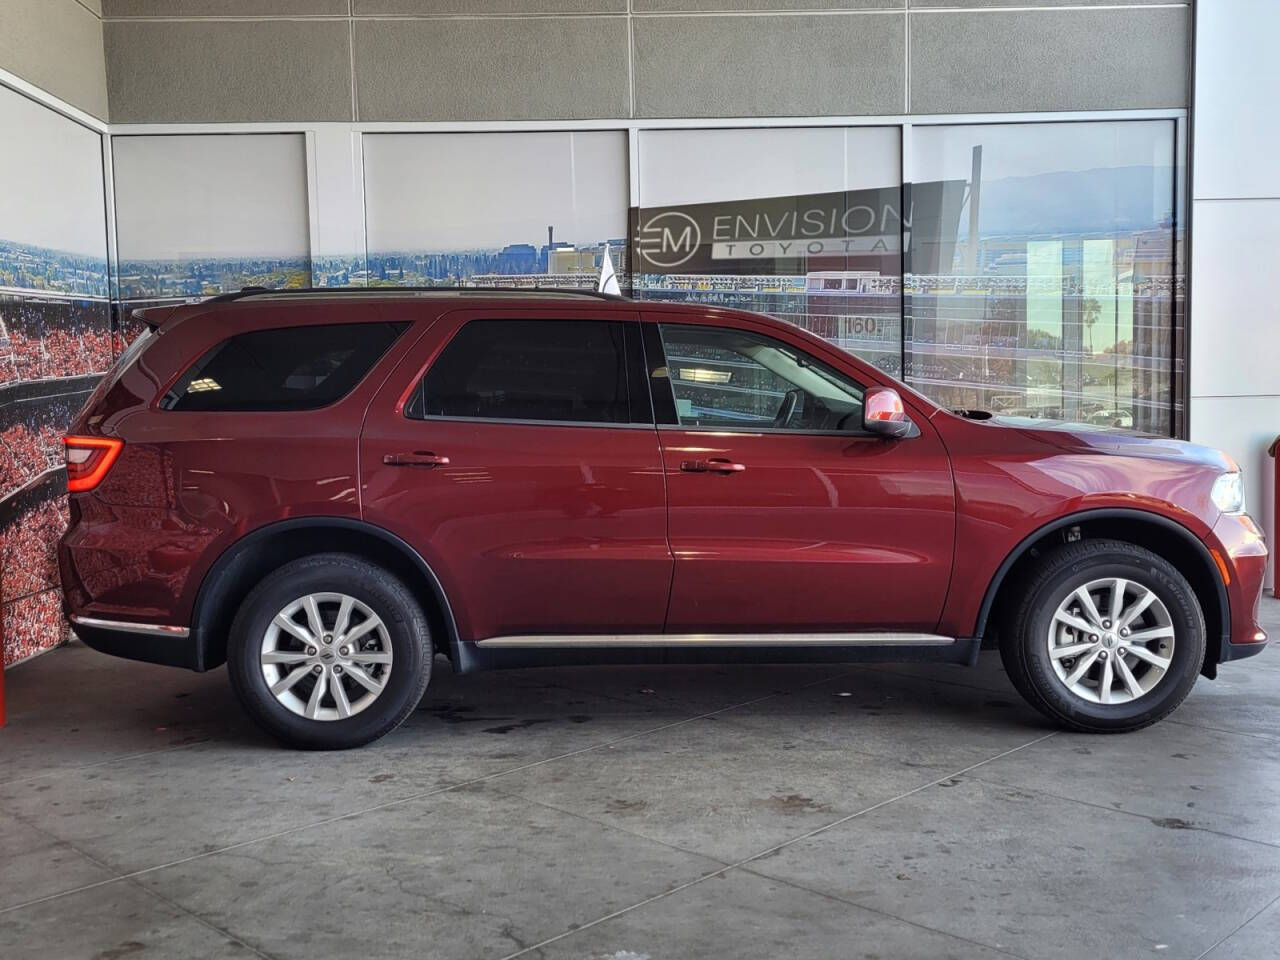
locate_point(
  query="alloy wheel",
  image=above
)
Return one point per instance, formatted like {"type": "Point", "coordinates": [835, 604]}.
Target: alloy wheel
{"type": "Point", "coordinates": [1111, 641]}
{"type": "Point", "coordinates": [326, 656]}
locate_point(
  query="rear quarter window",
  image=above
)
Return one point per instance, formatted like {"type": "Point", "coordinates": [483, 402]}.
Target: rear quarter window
{"type": "Point", "coordinates": [290, 368]}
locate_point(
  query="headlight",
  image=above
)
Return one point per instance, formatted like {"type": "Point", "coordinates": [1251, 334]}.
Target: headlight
{"type": "Point", "coordinates": [1228, 493]}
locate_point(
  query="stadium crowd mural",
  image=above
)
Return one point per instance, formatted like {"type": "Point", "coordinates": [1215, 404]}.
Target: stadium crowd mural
{"type": "Point", "coordinates": [55, 341]}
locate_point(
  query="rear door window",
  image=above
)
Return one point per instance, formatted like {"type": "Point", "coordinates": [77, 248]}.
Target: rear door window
{"type": "Point", "coordinates": [558, 371]}
{"type": "Point", "coordinates": [290, 368]}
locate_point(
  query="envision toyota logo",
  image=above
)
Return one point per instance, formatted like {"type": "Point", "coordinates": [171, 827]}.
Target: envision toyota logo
{"type": "Point", "coordinates": [669, 239]}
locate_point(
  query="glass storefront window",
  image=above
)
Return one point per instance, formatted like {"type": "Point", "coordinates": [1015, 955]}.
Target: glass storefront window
{"type": "Point", "coordinates": [1041, 271]}
{"type": "Point", "coordinates": [803, 224]}
{"type": "Point", "coordinates": [493, 209]}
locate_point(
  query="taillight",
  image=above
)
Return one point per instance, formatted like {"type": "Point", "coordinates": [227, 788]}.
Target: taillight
{"type": "Point", "coordinates": [88, 460]}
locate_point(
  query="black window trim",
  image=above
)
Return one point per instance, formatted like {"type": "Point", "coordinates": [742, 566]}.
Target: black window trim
{"type": "Point", "coordinates": [632, 362]}
{"type": "Point", "coordinates": [664, 399]}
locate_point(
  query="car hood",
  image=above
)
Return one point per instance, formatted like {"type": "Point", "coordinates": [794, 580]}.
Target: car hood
{"type": "Point", "coordinates": [1086, 437]}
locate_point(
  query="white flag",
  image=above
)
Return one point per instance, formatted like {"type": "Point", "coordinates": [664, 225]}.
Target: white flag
{"type": "Point", "coordinates": [608, 279]}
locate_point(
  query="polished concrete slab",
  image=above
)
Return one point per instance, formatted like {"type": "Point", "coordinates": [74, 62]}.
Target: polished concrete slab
{"type": "Point", "coordinates": [639, 813]}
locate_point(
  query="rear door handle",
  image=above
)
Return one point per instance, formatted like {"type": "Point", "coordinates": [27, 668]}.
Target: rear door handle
{"type": "Point", "coordinates": [418, 458]}
{"type": "Point", "coordinates": [715, 465]}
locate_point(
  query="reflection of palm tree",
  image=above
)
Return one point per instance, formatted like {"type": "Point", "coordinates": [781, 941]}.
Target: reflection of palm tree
{"type": "Point", "coordinates": [1092, 311]}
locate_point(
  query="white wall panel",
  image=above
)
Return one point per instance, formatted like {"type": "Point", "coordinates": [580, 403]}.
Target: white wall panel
{"type": "Point", "coordinates": [1237, 89]}
{"type": "Point", "coordinates": [1235, 333]}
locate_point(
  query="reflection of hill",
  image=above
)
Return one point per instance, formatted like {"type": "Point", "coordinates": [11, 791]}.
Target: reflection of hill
{"type": "Point", "coordinates": [1082, 201]}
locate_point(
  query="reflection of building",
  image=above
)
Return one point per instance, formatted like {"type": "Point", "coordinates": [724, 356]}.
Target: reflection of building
{"type": "Point", "coordinates": [568, 259]}
{"type": "Point", "coordinates": [969, 344]}
{"type": "Point", "coordinates": [518, 258]}
{"type": "Point", "coordinates": [856, 310]}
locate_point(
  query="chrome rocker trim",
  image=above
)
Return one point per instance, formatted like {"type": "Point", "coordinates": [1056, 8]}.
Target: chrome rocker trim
{"type": "Point", "coordinates": [719, 640]}
{"type": "Point", "coordinates": [121, 626]}
{"type": "Point", "coordinates": [506, 652]}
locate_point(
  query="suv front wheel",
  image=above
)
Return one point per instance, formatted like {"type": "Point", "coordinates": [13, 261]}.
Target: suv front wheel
{"type": "Point", "coordinates": [329, 652]}
{"type": "Point", "coordinates": [1105, 637]}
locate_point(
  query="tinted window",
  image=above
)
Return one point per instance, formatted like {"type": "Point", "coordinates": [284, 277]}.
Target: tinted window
{"type": "Point", "coordinates": [731, 378]}
{"type": "Point", "coordinates": [293, 368]}
{"type": "Point", "coordinates": [557, 370]}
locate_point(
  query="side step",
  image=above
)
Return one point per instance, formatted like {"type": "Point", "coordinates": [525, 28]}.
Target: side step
{"type": "Point", "coordinates": [583, 649]}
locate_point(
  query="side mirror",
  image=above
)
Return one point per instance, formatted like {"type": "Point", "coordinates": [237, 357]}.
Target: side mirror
{"type": "Point", "coordinates": [884, 413]}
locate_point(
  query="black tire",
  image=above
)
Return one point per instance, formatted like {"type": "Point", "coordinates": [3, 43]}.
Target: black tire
{"type": "Point", "coordinates": [1024, 637]}
{"type": "Point", "coordinates": [382, 592]}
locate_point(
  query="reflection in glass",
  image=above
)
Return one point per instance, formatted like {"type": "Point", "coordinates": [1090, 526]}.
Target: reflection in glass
{"type": "Point", "coordinates": [803, 224]}
{"type": "Point", "coordinates": [1055, 291]}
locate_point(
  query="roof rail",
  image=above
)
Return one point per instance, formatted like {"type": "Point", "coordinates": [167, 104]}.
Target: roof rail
{"type": "Point", "coordinates": [245, 293]}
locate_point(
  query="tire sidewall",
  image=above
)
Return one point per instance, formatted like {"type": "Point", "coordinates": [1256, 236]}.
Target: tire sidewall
{"type": "Point", "coordinates": [1189, 639]}
{"type": "Point", "coordinates": [386, 596]}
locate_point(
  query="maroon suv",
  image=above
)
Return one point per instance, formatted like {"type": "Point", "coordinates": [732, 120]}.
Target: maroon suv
{"type": "Point", "coordinates": [324, 489]}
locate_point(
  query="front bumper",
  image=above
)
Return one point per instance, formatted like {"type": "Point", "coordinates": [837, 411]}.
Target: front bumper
{"type": "Point", "coordinates": [1244, 559]}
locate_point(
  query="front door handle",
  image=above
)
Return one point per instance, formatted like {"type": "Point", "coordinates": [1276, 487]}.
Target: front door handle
{"type": "Point", "coordinates": [418, 458]}
{"type": "Point", "coordinates": [714, 465]}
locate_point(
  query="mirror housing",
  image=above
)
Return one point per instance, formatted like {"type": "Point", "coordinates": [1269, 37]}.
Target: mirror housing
{"type": "Point", "coordinates": [883, 413]}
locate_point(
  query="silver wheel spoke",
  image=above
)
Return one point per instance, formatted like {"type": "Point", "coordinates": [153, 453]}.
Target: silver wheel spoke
{"type": "Point", "coordinates": [284, 656]}
{"type": "Point", "coordinates": [1155, 633]}
{"type": "Point", "coordinates": [1117, 602]}
{"type": "Point", "coordinates": [344, 617]}
{"type": "Point", "coordinates": [1104, 684]}
{"type": "Point", "coordinates": [362, 678]}
{"type": "Point", "coordinates": [291, 628]}
{"type": "Point", "coordinates": [1071, 650]}
{"type": "Point", "coordinates": [1130, 681]}
{"type": "Point", "coordinates": [1136, 609]}
{"type": "Point", "coordinates": [1081, 668]}
{"type": "Point", "coordinates": [313, 615]}
{"type": "Point", "coordinates": [286, 683]}
{"type": "Point", "coordinates": [340, 698]}
{"type": "Point", "coordinates": [1090, 611]}
{"type": "Point", "coordinates": [317, 692]}
{"type": "Point", "coordinates": [1142, 653]}
{"type": "Point", "coordinates": [371, 656]}
{"type": "Point", "coordinates": [1074, 622]}
{"type": "Point", "coordinates": [370, 623]}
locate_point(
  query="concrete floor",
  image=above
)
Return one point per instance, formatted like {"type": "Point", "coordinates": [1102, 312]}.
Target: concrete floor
{"type": "Point", "coordinates": [629, 813]}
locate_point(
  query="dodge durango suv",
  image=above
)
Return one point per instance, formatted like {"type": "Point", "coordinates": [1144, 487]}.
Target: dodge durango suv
{"type": "Point", "coordinates": [327, 489]}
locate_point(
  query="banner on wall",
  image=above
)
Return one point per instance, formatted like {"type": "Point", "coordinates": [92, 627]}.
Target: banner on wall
{"type": "Point", "coordinates": [788, 235]}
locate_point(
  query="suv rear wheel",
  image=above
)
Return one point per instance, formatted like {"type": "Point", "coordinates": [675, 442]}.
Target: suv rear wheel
{"type": "Point", "coordinates": [1106, 637]}
{"type": "Point", "coordinates": [329, 652]}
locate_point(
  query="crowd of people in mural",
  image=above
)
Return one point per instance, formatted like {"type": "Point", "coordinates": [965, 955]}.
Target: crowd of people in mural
{"type": "Point", "coordinates": [31, 438]}
{"type": "Point", "coordinates": [32, 624]}
{"type": "Point", "coordinates": [41, 340]}
{"type": "Point", "coordinates": [29, 543]}
{"type": "Point", "coordinates": [32, 603]}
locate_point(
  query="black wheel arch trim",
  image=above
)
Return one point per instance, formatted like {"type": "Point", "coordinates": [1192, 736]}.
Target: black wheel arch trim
{"type": "Point", "coordinates": [1114, 513]}
{"type": "Point", "coordinates": [210, 584]}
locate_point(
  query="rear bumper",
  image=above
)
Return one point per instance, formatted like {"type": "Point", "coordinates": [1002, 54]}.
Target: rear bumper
{"type": "Point", "coordinates": [169, 646]}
